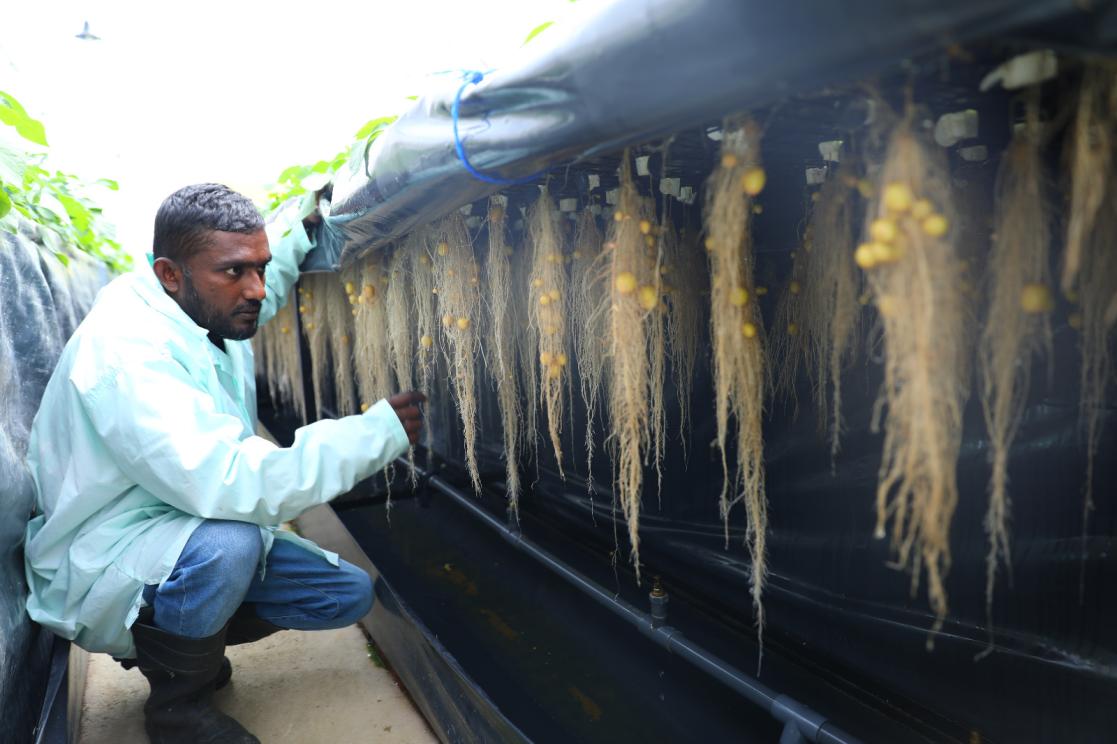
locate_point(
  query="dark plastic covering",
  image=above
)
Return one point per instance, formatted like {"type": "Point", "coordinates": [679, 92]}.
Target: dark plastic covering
{"type": "Point", "coordinates": [460, 710]}
{"type": "Point", "coordinates": [845, 634]}
{"type": "Point", "coordinates": [625, 72]}
{"type": "Point", "coordinates": [41, 302]}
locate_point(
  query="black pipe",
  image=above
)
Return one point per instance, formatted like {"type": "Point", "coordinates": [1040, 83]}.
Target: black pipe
{"type": "Point", "coordinates": [800, 722]}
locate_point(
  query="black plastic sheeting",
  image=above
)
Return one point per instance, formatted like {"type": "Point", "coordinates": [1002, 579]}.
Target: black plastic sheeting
{"type": "Point", "coordinates": [41, 302]}
{"type": "Point", "coordinates": [625, 72]}
{"type": "Point", "coordinates": [843, 635]}
{"type": "Point", "coordinates": [445, 694]}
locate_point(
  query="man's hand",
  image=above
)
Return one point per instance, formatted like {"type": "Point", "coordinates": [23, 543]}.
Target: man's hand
{"type": "Point", "coordinates": [406, 406]}
{"type": "Point", "coordinates": [314, 219]}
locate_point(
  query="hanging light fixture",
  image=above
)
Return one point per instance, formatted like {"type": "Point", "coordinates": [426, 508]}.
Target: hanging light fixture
{"type": "Point", "coordinates": [85, 35]}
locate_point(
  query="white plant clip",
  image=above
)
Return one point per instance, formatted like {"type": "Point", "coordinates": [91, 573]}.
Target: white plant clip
{"type": "Point", "coordinates": [954, 127]}
{"type": "Point", "coordinates": [831, 150]}
{"type": "Point", "coordinates": [1023, 70]}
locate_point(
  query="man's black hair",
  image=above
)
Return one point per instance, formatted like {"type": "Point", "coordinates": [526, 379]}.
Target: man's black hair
{"type": "Point", "coordinates": [186, 217]}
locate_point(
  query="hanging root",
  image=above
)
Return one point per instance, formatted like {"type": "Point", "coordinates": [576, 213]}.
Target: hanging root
{"type": "Point", "coordinates": [339, 317]}
{"type": "Point", "coordinates": [684, 282]}
{"type": "Point", "coordinates": [262, 345]}
{"type": "Point", "coordinates": [313, 306]}
{"type": "Point", "coordinates": [913, 272]}
{"type": "Point", "coordinates": [282, 363]}
{"type": "Point", "coordinates": [1097, 319]}
{"type": "Point", "coordinates": [420, 250]}
{"type": "Point", "coordinates": [459, 304]}
{"type": "Point", "coordinates": [403, 346]}
{"type": "Point", "coordinates": [368, 299]}
{"type": "Point", "coordinates": [631, 304]}
{"type": "Point", "coordinates": [1091, 161]}
{"type": "Point", "coordinates": [1089, 268]}
{"type": "Point", "coordinates": [502, 359]}
{"type": "Point", "coordinates": [527, 346]}
{"type": "Point", "coordinates": [786, 337]}
{"type": "Point", "coordinates": [656, 238]}
{"type": "Point", "coordinates": [588, 322]}
{"type": "Point", "coordinates": [1017, 325]}
{"type": "Point", "coordinates": [828, 306]}
{"type": "Point", "coordinates": [737, 334]}
{"type": "Point", "coordinates": [401, 336]}
{"type": "Point", "coordinates": [548, 299]}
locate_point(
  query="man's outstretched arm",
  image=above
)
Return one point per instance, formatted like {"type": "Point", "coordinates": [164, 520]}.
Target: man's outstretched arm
{"type": "Point", "coordinates": [168, 436]}
{"type": "Point", "coordinates": [288, 249]}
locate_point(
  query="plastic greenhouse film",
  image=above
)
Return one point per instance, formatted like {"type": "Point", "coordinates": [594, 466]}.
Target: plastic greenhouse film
{"type": "Point", "coordinates": [577, 91]}
{"type": "Point", "coordinates": [42, 303]}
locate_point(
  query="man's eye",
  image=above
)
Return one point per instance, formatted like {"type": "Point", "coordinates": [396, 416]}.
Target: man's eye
{"type": "Point", "coordinates": [262, 271]}
{"type": "Point", "coordinates": [233, 271]}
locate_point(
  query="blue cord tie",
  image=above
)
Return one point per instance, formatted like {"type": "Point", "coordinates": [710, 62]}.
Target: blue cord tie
{"type": "Point", "coordinates": [472, 78]}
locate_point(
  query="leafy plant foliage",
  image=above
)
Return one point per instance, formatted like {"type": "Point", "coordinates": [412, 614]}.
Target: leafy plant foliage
{"type": "Point", "coordinates": [55, 202]}
{"type": "Point", "coordinates": [304, 180]}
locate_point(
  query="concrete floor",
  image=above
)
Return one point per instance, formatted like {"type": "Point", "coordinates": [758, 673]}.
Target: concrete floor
{"type": "Point", "coordinates": [290, 688]}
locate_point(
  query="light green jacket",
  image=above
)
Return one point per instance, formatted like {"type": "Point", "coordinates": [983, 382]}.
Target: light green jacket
{"type": "Point", "coordinates": [146, 429]}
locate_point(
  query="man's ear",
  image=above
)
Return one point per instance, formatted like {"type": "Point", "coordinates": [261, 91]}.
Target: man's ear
{"type": "Point", "coordinates": [169, 274]}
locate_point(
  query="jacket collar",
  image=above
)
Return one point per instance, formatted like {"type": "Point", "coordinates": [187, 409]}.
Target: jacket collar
{"type": "Point", "coordinates": [148, 287]}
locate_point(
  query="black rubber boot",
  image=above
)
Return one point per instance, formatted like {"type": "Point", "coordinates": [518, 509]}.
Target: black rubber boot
{"type": "Point", "coordinates": [245, 626]}
{"type": "Point", "coordinates": [182, 673]}
{"type": "Point", "coordinates": [224, 674]}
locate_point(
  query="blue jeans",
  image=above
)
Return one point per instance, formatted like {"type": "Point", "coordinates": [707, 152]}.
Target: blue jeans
{"type": "Point", "coordinates": [218, 570]}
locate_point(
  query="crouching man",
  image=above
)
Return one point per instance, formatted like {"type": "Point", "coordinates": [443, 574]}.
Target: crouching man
{"type": "Point", "coordinates": [155, 538]}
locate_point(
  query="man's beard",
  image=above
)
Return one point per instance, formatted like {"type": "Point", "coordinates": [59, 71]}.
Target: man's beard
{"type": "Point", "coordinates": [206, 317]}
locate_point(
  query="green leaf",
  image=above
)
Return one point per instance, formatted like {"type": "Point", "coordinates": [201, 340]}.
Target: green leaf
{"type": "Point", "coordinates": [108, 183]}
{"type": "Point", "coordinates": [51, 203]}
{"type": "Point", "coordinates": [62, 257]}
{"type": "Point", "coordinates": [33, 175]}
{"type": "Point", "coordinates": [5, 202]}
{"type": "Point", "coordinates": [12, 165]}
{"type": "Point", "coordinates": [13, 114]}
{"type": "Point", "coordinates": [293, 174]}
{"type": "Point", "coordinates": [538, 30]}
{"type": "Point", "coordinates": [375, 126]}
{"type": "Point", "coordinates": [78, 213]}
{"type": "Point", "coordinates": [413, 98]}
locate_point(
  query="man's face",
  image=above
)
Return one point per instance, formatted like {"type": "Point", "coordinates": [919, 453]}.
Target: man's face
{"type": "Point", "coordinates": [222, 285]}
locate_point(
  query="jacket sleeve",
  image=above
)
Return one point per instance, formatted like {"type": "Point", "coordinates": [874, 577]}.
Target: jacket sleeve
{"type": "Point", "coordinates": [289, 245]}
{"type": "Point", "coordinates": [167, 436]}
